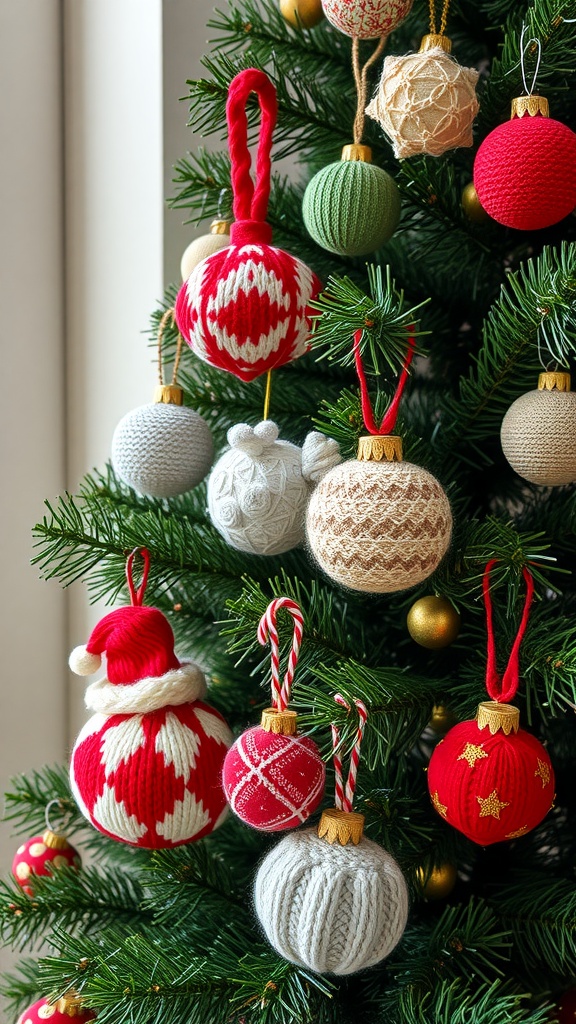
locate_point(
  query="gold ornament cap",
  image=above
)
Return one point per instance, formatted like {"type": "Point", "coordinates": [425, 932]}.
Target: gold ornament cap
{"type": "Point", "coordinates": [531, 105]}
{"type": "Point", "coordinates": [220, 227]}
{"type": "Point", "coordinates": [282, 723]}
{"type": "Point", "coordinates": [168, 394]}
{"type": "Point", "coordinates": [498, 716]}
{"type": "Point", "coordinates": [434, 40]}
{"type": "Point", "coordinates": [341, 826]}
{"type": "Point", "coordinates": [379, 448]}
{"type": "Point", "coordinates": [357, 151]}
{"type": "Point", "coordinates": [70, 1004]}
{"type": "Point", "coordinates": [557, 381]}
{"type": "Point", "coordinates": [54, 841]}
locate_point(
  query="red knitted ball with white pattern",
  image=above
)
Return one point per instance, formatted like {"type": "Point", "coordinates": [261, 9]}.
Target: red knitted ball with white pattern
{"type": "Point", "coordinates": [42, 1011]}
{"type": "Point", "coordinates": [273, 782]}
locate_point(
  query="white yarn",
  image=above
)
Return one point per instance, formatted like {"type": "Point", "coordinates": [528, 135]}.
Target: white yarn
{"type": "Point", "coordinates": [333, 909]}
{"type": "Point", "coordinates": [259, 488]}
{"type": "Point", "coordinates": [178, 686]}
{"type": "Point", "coordinates": [538, 436]}
{"type": "Point", "coordinates": [82, 662]}
{"type": "Point", "coordinates": [162, 450]}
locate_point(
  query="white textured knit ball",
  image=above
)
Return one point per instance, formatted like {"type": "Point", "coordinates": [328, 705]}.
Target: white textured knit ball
{"type": "Point", "coordinates": [162, 450]}
{"type": "Point", "coordinates": [259, 488]}
{"type": "Point", "coordinates": [538, 437]}
{"type": "Point", "coordinates": [378, 526]}
{"type": "Point", "coordinates": [333, 909]}
{"type": "Point", "coordinates": [199, 249]}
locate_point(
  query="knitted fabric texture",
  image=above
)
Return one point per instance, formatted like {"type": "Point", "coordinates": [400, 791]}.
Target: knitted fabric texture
{"type": "Point", "coordinates": [35, 858]}
{"type": "Point", "coordinates": [258, 490]}
{"type": "Point", "coordinates": [331, 909]}
{"type": "Point", "coordinates": [425, 103]}
{"type": "Point", "coordinates": [273, 782]}
{"type": "Point", "coordinates": [199, 249]}
{"type": "Point", "coordinates": [490, 787]}
{"type": "Point", "coordinates": [351, 207]}
{"type": "Point", "coordinates": [41, 1011]}
{"type": "Point", "coordinates": [366, 19]}
{"type": "Point", "coordinates": [378, 526]}
{"type": "Point", "coordinates": [138, 642]}
{"type": "Point", "coordinates": [525, 172]}
{"type": "Point", "coordinates": [538, 436]}
{"type": "Point", "coordinates": [180, 686]}
{"type": "Point", "coordinates": [162, 450]}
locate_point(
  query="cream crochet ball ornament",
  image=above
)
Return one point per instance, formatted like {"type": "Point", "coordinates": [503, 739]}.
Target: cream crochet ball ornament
{"type": "Point", "coordinates": [258, 490]}
{"type": "Point", "coordinates": [202, 247]}
{"type": "Point", "coordinates": [538, 432]}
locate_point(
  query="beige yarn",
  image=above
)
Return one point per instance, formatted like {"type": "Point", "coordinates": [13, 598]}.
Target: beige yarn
{"type": "Point", "coordinates": [378, 526]}
{"type": "Point", "coordinates": [199, 249]}
{"type": "Point", "coordinates": [425, 103]}
{"type": "Point", "coordinates": [538, 436]}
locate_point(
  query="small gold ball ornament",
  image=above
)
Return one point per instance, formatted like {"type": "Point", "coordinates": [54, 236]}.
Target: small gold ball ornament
{"type": "Point", "coordinates": [433, 622]}
{"type": "Point", "coordinates": [442, 719]}
{"type": "Point", "coordinates": [439, 883]}
{"type": "Point", "coordinates": [309, 12]}
{"type": "Point", "coordinates": [472, 206]}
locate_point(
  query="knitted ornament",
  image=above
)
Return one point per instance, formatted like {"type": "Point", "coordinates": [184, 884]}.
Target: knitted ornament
{"type": "Point", "coordinates": [489, 778]}
{"type": "Point", "coordinates": [62, 1012]}
{"type": "Point", "coordinates": [259, 488]}
{"type": "Point", "coordinates": [351, 207]}
{"type": "Point", "coordinates": [273, 778]}
{"type": "Point", "coordinates": [538, 432]}
{"type": "Point", "coordinates": [378, 524]}
{"type": "Point", "coordinates": [328, 899]}
{"type": "Point", "coordinates": [163, 449]}
{"type": "Point", "coordinates": [426, 102]}
{"type": "Point", "coordinates": [366, 19]}
{"type": "Point", "coordinates": [305, 13]}
{"type": "Point", "coordinates": [244, 309]}
{"type": "Point", "coordinates": [204, 246]}
{"type": "Point", "coordinates": [42, 855]}
{"type": "Point", "coordinates": [146, 767]}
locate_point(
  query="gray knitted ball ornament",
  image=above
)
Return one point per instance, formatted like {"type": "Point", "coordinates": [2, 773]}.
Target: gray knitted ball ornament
{"type": "Point", "coordinates": [538, 432]}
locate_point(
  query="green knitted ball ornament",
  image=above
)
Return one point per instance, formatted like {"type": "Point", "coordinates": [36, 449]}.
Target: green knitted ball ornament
{"type": "Point", "coordinates": [351, 207]}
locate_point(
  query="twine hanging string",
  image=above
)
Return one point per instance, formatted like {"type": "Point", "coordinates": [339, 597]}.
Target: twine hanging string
{"type": "Point", "coordinates": [389, 421]}
{"type": "Point", "coordinates": [268, 631]}
{"type": "Point", "coordinates": [344, 795]}
{"type": "Point", "coordinates": [533, 41]}
{"type": "Point", "coordinates": [168, 317]}
{"type": "Point", "coordinates": [137, 595]}
{"type": "Point", "coordinates": [361, 80]}
{"type": "Point", "coordinates": [504, 690]}
{"type": "Point", "coordinates": [443, 17]}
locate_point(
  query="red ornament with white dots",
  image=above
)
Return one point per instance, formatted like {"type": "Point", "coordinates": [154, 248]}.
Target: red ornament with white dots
{"type": "Point", "coordinates": [60, 1012]}
{"type": "Point", "coordinates": [41, 856]}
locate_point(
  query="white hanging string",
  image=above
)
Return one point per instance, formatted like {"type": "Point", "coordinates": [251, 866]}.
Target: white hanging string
{"type": "Point", "coordinates": [523, 48]}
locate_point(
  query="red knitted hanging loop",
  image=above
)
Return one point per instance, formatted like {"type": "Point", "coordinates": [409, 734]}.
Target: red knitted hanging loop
{"type": "Point", "coordinates": [504, 690]}
{"type": "Point", "coordinates": [389, 422]}
{"type": "Point", "coordinates": [137, 596]}
{"type": "Point", "coordinates": [250, 200]}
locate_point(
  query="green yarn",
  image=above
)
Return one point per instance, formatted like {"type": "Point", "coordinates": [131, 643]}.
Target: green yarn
{"type": "Point", "coordinates": [351, 207]}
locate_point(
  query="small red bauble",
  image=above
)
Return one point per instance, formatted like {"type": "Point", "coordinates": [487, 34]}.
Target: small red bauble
{"type": "Point", "coordinates": [60, 1012]}
{"type": "Point", "coordinates": [273, 781]}
{"type": "Point", "coordinates": [525, 171]}
{"type": "Point", "coordinates": [566, 1010]}
{"type": "Point", "coordinates": [366, 19]}
{"type": "Point", "coordinates": [42, 855]}
{"type": "Point", "coordinates": [490, 779]}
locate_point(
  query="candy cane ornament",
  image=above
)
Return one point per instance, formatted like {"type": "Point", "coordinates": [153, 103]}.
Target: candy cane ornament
{"type": "Point", "coordinates": [273, 777]}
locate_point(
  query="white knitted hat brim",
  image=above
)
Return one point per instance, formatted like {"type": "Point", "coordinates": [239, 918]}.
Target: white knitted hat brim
{"type": "Point", "coordinates": [178, 686]}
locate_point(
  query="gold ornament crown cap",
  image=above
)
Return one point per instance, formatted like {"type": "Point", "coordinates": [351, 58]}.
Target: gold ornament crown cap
{"type": "Point", "coordinates": [498, 716]}
{"type": "Point", "coordinates": [434, 40]}
{"type": "Point", "coordinates": [53, 840]}
{"type": "Point", "coordinates": [70, 1004]}
{"type": "Point", "coordinates": [220, 227]}
{"type": "Point", "coordinates": [168, 394]}
{"type": "Point", "coordinates": [282, 723]}
{"type": "Point", "coordinates": [357, 151]}
{"type": "Point", "coordinates": [531, 105]}
{"type": "Point", "coordinates": [557, 381]}
{"type": "Point", "coordinates": [341, 826]}
{"type": "Point", "coordinates": [379, 448]}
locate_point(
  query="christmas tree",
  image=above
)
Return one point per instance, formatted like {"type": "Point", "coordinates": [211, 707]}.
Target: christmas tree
{"type": "Point", "coordinates": [486, 304]}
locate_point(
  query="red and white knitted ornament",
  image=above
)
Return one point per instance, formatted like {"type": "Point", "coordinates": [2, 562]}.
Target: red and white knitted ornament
{"type": "Point", "coordinates": [366, 19]}
{"type": "Point", "coordinates": [274, 778]}
{"type": "Point", "coordinates": [60, 1012]}
{"type": "Point", "coordinates": [245, 308]}
{"type": "Point", "coordinates": [42, 855]}
{"type": "Point", "coordinates": [146, 767]}
{"type": "Point", "coordinates": [489, 778]}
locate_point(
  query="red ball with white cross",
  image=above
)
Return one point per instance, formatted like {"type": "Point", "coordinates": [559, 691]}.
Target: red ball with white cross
{"type": "Point", "coordinates": [41, 856]}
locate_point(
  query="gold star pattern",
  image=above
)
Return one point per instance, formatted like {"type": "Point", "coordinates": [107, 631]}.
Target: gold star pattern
{"type": "Point", "coordinates": [543, 772]}
{"type": "Point", "coordinates": [472, 753]}
{"type": "Point", "coordinates": [519, 832]}
{"type": "Point", "coordinates": [490, 806]}
{"type": "Point", "coordinates": [441, 808]}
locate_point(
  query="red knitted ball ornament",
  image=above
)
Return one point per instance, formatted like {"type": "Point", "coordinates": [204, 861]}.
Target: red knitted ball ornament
{"type": "Point", "coordinates": [489, 785]}
{"type": "Point", "coordinates": [525, 172]}
{"type": "Point", "coordinates": [565, 1012]}
{"type": "Point", "coordinates": [41, 856]}
{"type": "Point", "coordinates": [273, 782]}
{"type": "Point", "coordinates": [42, 1011]}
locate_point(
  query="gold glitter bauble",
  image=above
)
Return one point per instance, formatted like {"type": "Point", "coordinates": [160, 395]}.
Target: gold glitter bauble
{"type": "Point", "coordinates": [442, 719]}
{"type": "Point", "coordinates": [433, 622]}
{"type": "Point", "coordinates": [439, 883]}
{"type": "Point", "coordinates": [472, 206]}
{"type": "Point", "coordinates": [309, 12]}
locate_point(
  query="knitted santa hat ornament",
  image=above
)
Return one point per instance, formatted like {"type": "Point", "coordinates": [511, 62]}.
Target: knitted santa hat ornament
{"type": "Point", "coordinates": [273, 778]}
{"type": "Point", "coordinates": [489, 778]}
{"type": "Point", "coordinates": [244, 308]}
{"type": "Point", "coordinates": [146, 767]}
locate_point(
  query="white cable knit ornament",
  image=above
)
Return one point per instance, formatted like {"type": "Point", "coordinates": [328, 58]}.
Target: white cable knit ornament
{"type": "Point", "coordinates": [538, 432]}
{"type": "Point", "coordinates": [258, 490]}
{"type": "Point", "coordinates": [328, 899]}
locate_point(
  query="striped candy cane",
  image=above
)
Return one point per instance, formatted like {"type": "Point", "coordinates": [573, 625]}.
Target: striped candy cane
{"type": "Point", "coordinates": [344, 798]}
{"type": "Point", "coordinates": [267, 631]}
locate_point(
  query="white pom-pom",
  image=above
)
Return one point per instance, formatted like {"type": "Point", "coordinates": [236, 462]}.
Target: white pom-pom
{"type": "Point", "coordinates": [82, 662]}
{"type": "Point", "coordinates": [319, 454]}
{"type": "Point", "coordinates": [267, 431]}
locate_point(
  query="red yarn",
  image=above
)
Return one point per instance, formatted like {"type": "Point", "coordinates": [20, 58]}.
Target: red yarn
{"type": "Point", "coordinates": [525, 172]}
{"type": "Point", "coordinates": [389, 422]}
{"type": "Point", "coordinates": [250, 202]}
{"type": "Point", "coordinates": [138, 642]}
{"type": "Point", "coordinates": [43, 1010]}
{"type": "Point", "coordinates": [504, 689]}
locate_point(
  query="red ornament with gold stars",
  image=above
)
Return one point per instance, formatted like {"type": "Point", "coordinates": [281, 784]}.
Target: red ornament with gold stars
{"type": "Point", "coordinates": [41, 856]}
{"type": "Point", "coordinates": [489, 778]}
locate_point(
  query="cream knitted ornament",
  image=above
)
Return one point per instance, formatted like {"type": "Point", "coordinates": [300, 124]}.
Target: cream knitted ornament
{"type": "Point", "coordinates": [204, 246]}
{"type": "Point", "coordinates": [259, 488]}
{"type": "Point", "coordinates": [538, 432]}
